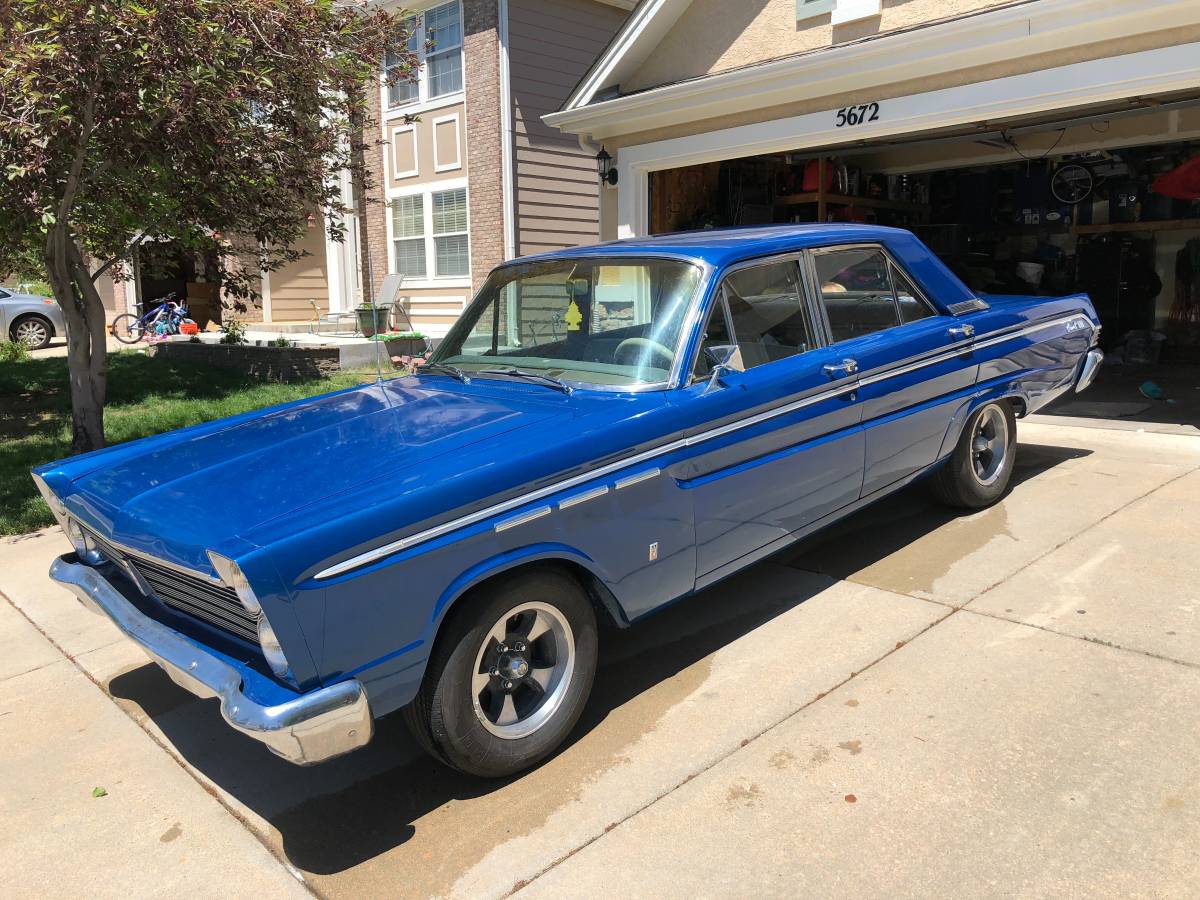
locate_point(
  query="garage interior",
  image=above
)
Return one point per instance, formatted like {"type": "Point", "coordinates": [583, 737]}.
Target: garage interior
{"type": "Point", "coordinates": [1102, 201]}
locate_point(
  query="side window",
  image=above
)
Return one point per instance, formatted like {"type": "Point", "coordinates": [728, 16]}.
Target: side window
{"type": "Point", "coordinates": [857, 291]}
{"type": "Point", "coordinates": [912, 307]}
{"type": "Point", "coordinates": [770, 319]}
{"type": "Point", "coordinates": [716, 333]}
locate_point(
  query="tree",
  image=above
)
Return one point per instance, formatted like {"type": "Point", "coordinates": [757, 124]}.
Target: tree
{"type": "Point", "coordinates": [217, 123]}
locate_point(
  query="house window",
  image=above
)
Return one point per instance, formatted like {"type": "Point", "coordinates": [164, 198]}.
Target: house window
{"type": "Point", "coordinates": [437, 39]}
{"type": "Point", "coordinates": [452, 247]}
{"type": "Point", "coordinates": [408, 234]}
{"type": "Point", "coordinates": [429, 234]}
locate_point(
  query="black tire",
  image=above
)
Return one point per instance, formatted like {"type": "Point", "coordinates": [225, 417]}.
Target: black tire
{"type": "Point", "coordinates": [444, 718]}
{"type": "Point", "coordinates": [972, 477]}
{"type": "Point", "coordinates": [33, 331]}
{"type": "Point", "coordinates": [127, 329]}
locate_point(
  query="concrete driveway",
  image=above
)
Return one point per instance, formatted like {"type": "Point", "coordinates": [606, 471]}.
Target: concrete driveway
{"type": "Point", "coordinates": [914, 703]}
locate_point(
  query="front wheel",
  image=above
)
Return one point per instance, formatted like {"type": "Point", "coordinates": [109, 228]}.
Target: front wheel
{"type": "Point", "coordinates": [128, 329]}
{"type": "Point", "coordinates": [32, 331]}
{"type": "Point", "coordinates": [977, 473]}
{"type": "Point", "coordinates": [510, 675]}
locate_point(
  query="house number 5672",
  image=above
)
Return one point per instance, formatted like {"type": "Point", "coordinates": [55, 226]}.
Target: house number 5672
{"type": "Point", "coordinates": [857, 115]}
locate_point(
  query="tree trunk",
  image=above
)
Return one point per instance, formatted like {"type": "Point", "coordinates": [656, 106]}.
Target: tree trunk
{"type": "Point", "coordinates": [87, 358]}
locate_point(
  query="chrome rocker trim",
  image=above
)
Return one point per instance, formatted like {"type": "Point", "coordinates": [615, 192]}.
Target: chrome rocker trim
{"type": "Point", "coordinates": [310, 729]}
{"type": "Point", "coordinates": [1087, 372]}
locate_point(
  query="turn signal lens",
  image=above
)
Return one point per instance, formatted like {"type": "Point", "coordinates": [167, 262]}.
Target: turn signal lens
{"type": "Point", "coordinates": [271, 649]}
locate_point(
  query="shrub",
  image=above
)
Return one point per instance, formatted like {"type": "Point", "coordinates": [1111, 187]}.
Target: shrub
{"type": "Point", "coordinates": [13, 351]}
{"type": "Point", "coordinates": [234, 331]}
{"type": "Point", "coordinates": [280, 341]}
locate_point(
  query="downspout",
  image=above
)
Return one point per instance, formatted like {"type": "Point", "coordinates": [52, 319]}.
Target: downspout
{"type": "Point", "coordinates": [507, 187]}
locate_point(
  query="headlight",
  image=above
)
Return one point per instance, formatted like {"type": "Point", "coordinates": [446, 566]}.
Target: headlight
{"type": "Point", "coordinates": [232, 574]}
{"type": "Point", "coordinates": [85, 546]}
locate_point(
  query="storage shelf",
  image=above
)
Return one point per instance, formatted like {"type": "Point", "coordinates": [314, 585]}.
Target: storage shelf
{"type": "Point", "coordinates": [1163, 225]}
{"type": "Point", "coordinates": [843, 200]}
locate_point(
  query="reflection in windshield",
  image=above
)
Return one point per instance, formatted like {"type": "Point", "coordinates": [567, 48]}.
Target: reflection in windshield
{"type": "Point", "coordinates": [613, 321]}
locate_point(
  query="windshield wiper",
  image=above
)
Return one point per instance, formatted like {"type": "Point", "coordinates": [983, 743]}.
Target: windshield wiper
{"type": "Point", "coordinates": [446, 368]}
{"type": "Point", "coordinates": [549, 380]}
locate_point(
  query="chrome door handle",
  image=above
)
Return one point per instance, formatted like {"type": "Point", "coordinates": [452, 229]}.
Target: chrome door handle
{"type": "Point", "coordinates": [841, 370]}
{"type": "Point", "coordinates": [962, 332]}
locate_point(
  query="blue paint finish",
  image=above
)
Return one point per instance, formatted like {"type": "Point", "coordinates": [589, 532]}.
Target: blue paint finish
{"type": "Point", "coordinates": [738, 472]}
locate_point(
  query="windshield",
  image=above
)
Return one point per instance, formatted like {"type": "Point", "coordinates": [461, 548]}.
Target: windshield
{"type": "Point", "coordinates": [605, 321]}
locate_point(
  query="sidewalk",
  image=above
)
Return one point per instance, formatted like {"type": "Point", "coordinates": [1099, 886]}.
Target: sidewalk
{"type": "Point", "coordinates": [156, 832]}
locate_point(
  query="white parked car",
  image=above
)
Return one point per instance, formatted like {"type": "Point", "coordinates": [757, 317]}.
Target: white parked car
{"type": "Point", "coordinates": [29, 318]}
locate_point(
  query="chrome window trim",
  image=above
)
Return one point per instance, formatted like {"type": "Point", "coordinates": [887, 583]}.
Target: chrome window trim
{"type": "Point", "coordinates": [814, 252]}
{"type": "Point", "coordinates": [436, 531]}
{"type": "Point", "coordinates": [719, 297]}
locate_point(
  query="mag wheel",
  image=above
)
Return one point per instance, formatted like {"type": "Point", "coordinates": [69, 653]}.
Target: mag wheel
{"type": "Point", "coordinates": [977, 473]}
{"type": "Point", "coordinates": [127, 329]}
{"type": "Point", "coordinates": [510, 675]}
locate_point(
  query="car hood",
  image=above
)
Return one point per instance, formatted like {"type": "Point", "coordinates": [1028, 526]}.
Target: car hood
{"type": "Point", "coordinates": [191, 490]}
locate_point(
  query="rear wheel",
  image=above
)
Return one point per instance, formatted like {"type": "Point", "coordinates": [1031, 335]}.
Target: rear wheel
{"type": "Point", "coordinates": [510, 675]}
{"type": "Point", "coordinates": [128, 329]}
{"type": "Point", "coordinates": [32, 331]}
{"type": "Point", "coordinates": [977, 473]}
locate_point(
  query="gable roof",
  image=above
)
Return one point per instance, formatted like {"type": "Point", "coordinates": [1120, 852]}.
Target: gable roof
{"type": "Point", "coordinates": [646, 26]}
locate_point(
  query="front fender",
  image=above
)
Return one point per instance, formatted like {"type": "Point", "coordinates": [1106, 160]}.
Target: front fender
{"type": "Point", "coordinates": [506, 561]}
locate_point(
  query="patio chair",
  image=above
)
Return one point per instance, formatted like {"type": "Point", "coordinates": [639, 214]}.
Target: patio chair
{"type": "Point", "coordinates": [336, 319]}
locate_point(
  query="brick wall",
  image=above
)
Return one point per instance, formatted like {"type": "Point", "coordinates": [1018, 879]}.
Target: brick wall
{"type": "Point", "coordinates": [371, 203]}
{"type": "Point", "coordinates": [485, 187]}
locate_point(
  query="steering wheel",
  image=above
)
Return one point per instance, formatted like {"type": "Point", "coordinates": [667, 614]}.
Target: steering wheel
{"type": "Point", "coordinates": [631, 350]}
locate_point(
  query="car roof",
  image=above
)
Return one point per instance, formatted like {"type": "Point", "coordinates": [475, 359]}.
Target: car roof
{"type": "Point", "coordinates": [722, 246]}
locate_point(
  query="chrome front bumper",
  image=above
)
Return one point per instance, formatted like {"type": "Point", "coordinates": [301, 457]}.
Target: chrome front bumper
{"type": "Point", "coordinates": [1087, 372]}
{"type": "Point", "coordinates": [314, 727]}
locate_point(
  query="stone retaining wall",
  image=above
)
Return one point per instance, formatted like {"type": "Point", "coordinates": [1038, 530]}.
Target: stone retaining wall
{"type": "Point", "coordinates": [266, 363]}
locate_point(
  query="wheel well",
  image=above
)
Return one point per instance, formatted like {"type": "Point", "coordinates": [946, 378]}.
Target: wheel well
{"type": "Point", "coordinates": [608, 611]}
{"type": "Point", "coordinates": [29, 315]}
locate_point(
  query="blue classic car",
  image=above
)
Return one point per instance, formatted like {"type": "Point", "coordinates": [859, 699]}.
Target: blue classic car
{"type": "Point", "coordinates": [605, 430]}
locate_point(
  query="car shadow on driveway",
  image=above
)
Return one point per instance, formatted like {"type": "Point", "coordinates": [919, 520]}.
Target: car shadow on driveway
{"type": "Point", "coordinates": [345, 812]}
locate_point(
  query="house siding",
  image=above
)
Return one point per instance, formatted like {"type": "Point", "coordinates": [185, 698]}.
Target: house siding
{"type": "Point", "coordinates": [556, 201]}
{"type": "Point", "coordinates": [296, 284]}
{"type": "Point", "coordinates": [768, 29]}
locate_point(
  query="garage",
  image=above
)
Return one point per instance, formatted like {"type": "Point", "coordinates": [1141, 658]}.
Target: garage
{"type": "Point", "coordinates": [1046, 147]}
{"type": "Point", "coordinates": [1102, 202]}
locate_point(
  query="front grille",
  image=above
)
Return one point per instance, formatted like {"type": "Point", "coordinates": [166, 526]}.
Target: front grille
{"type": "Point", "coordinates": [189, 594]}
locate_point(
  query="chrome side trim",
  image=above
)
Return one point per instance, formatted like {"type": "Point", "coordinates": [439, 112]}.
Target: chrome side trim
{"type": "Point", "coordinates": [311, 728]}
{"type": "Point", "coordinates": [523, 518]}
{"type": "Point", "coordinates": [838, 389]}
{"type": "Point", "coordinates": [583, 497]}
{"type": "Point", "coordinates": [962, 307]}
{"type": "Point", "coordinates": [631, 480]}
{"type": "Point", "coordinates": [1022, 331]}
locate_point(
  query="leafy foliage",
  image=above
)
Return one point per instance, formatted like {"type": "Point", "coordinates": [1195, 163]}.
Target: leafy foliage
{"type": "Point", "coordinates": [234, 331]}
{"type": "Point", "coordinates": [217, 123]}
{"type": "Point", "coordinates": [13, 351]}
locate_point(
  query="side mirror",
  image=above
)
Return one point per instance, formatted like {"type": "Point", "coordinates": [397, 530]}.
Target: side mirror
{"type": "Point", "coordinates": [720, 357]}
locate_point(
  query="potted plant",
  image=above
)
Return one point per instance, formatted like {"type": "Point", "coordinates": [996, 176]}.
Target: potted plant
{"type": "Point", "coordinates": [372, 319]}
{"type": "Point", "coordinates": [404, 343]}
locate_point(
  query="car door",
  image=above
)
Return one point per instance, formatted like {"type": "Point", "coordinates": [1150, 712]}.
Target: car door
{"type": "Point", "coordinates": [777, 437]}
{"type": "Point", "coordinates": [915, 364]}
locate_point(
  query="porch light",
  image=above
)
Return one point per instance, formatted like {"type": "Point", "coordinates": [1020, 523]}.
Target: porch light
{"type": "Point", "coordinates": [604, 167]}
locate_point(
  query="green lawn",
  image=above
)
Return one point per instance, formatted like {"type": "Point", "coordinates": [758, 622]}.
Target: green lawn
{"type": "Point", "coordinates": [145, 396]}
